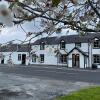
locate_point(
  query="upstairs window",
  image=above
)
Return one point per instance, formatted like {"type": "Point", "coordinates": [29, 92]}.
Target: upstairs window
{"type": "Point", "coordinates": [19, 57]}
{"type": "Point", "coordinates": [42, 46]}
{"type": "Point", "coordinates": [42, 58]}
{"type": "Point", "coordinates": [96, 43]}
{"type": "Point", "coordinates": [62, 45]}
{"type": "Point", "coordinates": [96, 58]}
{"type": "Point", "coordinates": [78, 44]}
{"type": "Point", "coordinates": [34, 58]}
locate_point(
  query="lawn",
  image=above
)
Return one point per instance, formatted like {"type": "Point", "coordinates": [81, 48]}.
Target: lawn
{"type": "Point", "coordinates": [91, 93]}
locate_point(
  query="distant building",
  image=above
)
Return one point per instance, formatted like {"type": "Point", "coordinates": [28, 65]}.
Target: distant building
{"type": "Point", "coordinates": [15, 53]}
{"type": "Point", "coordinates": [71, 51]}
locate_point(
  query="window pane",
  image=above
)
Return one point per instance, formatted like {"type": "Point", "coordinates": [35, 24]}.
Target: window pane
{"type": "Point", "coordinates": [78, 44]}
{"type": "Point", "coordinates": [63, 59]}
{"type": "Point", "coordinates": [33, 58]}
{"type": "Point", "coordinates": [19, 57]}
{"type": "Point", "coordinates": [42, 58]}
{"type": "Point", "coordinates": [42, 46]}
{"type": "Point", "coordinates": [96, 58]}
{"type": "Point", "coordinates": [96, 43]}
{"type": "Point", "coordinates": [62, 45]}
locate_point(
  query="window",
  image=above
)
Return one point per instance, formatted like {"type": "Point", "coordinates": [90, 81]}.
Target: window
{"type": "Point", "coordinates": [96, 44]}
{"type": "Point", "coordinates": [62, 45]}
{"type": "Point", "coordinates": [42, 58]}
{"type": "Point", "coordinates": [19, 57]}
{"type": "Point", "coordinates": [77, 44]}
{"type": "Point", "coordinates": [63, 59]}
{"type": "Point", "coordinates": [42, 46]}
{"type": "Point", "coordinates": [96, 58]}
{"type": "Point", "coordinates": [34, 58]}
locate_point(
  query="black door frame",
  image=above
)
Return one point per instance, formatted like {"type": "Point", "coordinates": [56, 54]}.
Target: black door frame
{"type": "Point", "coordinates": [76, 60]}
{"type": "Point", "coordinates": [2, 61]}
{"type": "Point", "coordinates": [23, 59]}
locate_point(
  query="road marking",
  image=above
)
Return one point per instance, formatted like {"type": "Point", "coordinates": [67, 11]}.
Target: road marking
{"type": "Point", "coordinates": [46, 67]}
{"type": "Point", "coordinates": [79, 70]}
{"type": "Point", "coordinates": [59, 68]}
{"type": "Point", "coordinates": [54, 72]}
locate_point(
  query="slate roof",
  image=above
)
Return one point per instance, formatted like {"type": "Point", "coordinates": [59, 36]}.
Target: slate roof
{"type": "Point", "coordinates": [15, 48]}
{"type": "Point", "coordinates": [68, 39]}
{"type": "Point", "coordinates": [83, 53]}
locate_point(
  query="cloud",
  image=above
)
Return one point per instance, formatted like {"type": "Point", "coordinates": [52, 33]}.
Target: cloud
{"type": "Point", "coordinates": [19, 32]}
{"type": "Point", "coordinates": [11, 33]}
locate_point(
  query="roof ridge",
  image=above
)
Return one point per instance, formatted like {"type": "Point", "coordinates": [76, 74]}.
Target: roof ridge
{"type": "Point", "coordinates": [67, 38]}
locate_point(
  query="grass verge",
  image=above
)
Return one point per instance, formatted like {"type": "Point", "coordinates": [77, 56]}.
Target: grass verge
{"type": "Point", "coordinates": [91, 93]}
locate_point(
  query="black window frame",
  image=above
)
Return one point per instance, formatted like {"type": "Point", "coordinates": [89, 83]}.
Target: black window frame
{"type": "Point", "coordinates": [78, 44]}
{"type": "Point", "coordinates": [19, 57]}
{"type": "Point", "coordinates": [63, 58]}
{"type": "Point", "coordinates": [96, 44]}
{"type": "Point", "coordinates": [42, 46]}
{"type": "Point", "coordinates": [34, 58]}
{"type": "Point", "coordinates": [62, 45]}
{"type": "Point", "coordinates": [96, 58]}
{"type": "Point", "coordinates": [42, 58]}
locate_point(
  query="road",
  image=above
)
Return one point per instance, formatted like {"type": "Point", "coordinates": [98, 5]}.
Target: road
{"type": "Point", "coordinates": [74, 75]}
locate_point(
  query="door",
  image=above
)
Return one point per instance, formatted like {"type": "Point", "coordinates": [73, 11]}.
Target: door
{"type": "Point", "coordinates": [2, 61]}
{"type": "Point", "coordinates": [75, 60]}
{"type": "Point", "coordinates": [23, 59]}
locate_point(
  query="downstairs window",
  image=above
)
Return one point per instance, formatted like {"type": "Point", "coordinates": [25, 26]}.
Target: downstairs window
{"type": "Point", "coordinates": [96, 58]}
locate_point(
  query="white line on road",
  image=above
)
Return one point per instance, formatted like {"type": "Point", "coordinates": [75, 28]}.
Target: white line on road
{"type": "Point", "coordinates": [59, 68]}
{"type": "Point", "coordinates": [55, 72]}
{"type": "Point", "coordinates": [64, 69]}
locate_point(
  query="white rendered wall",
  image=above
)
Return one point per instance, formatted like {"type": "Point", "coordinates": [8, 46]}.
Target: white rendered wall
{"type": "Point", "coordinates": [84, 47]}
{"type": "Point", "coordinates": [14, 57]}
{"type": "Point", "coordinates": [49, 54]}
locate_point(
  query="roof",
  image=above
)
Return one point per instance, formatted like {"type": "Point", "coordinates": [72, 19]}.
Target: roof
{"type": "Point", "coordinates": [83, 53]}
{"type": "Point", "coordinates": [68, 39]}
{"type": "Point", "coordinates": [15, 48]}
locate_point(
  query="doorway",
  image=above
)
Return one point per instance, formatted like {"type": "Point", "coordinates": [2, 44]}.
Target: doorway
{"type": "Point", "coordinates": [23, 59]}
{"type": "Point", "coordinates": [75, 60]}
{"type": "Point", "coordinates": [2, 61]}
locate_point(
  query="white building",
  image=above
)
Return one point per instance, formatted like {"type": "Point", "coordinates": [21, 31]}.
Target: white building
{"type": "Point", "coordinates": [70, 51]}
{"type": "Point", "coordinates": [15, 54]}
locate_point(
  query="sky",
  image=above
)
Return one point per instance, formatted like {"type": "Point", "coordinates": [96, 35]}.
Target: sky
{"type": "Point", "coordinates": [16, 32]}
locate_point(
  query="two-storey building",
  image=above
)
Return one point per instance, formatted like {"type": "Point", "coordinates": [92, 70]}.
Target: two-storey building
{"type": "Point", "coordinates": [72, 51]}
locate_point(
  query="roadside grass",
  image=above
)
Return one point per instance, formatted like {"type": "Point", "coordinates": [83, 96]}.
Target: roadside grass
{"type": "Point", "coordinates": [91, 93]}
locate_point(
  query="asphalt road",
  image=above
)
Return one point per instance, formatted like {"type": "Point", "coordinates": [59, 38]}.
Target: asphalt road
{"type": "Point", "coordinates": [92, 76]}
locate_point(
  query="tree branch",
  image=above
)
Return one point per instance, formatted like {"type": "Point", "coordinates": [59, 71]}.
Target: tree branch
{"type": "Point", "coordinates": [95, 10]}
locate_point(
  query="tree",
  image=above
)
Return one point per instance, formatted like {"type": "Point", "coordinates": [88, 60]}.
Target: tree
{"type": "Point", "coordinates": [54, 15]}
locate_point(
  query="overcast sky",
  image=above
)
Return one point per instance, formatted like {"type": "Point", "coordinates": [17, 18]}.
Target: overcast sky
{"type": "Point", "coordinates": [16, 32]}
